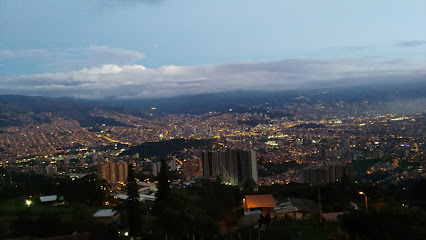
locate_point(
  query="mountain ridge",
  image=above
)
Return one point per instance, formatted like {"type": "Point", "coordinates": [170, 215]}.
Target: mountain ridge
{"type": "Point", "coordinates": [239, 101]}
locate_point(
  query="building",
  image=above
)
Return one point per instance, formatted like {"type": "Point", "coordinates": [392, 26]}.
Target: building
{"type": "Point", "coordinates": [106, 216]}
{"type": "Point", "coordinates": [155, 168]}
{"type": "Point", "coordinates": [328, 174]}
{"type": "Point", "coordinates": [233, 166]}
{"type": "Point", "coordinates": [296, 208]}
{"type": "Point", "coordinates": [121, 171]}
{"type": "Point", "coordinates": [192, 168]}
{"type": "Point", "coordinates": [172, 165]}
{"type": "Point", "coordinates": [3, 163]}
{"type": "Point", "coordinates": [51, 169]}
{"type": "Point", "coordinates": [113, 172]}
{"type": "Point", "coordinates": [48, 199]}
{"type": "Point", "coordinates": [332, 216]}
{"type": "Point", "coordinates": [263, 203]}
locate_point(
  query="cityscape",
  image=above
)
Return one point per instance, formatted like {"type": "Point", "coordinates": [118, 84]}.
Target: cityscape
{"type": "Point", "coordinates": [171, 120]}
{"type": "Point", "coordinates": [283, 144]}
{"type": "Point", "coordinates": [313, 145]}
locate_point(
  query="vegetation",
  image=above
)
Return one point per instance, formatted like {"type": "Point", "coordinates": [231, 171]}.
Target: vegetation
{"type": "Point", "coordinates": [386, 223]}
{"type": "Point", "coordinates": [196, 211]}
{"type": "Point", "coordinates": [250, 186]}
{"type": "Point", "coordinates": [163, 148]}
{"type": "Point", "coordinates": [207, 210]}
{"type": "Point", "coordinates": [133, 204]}
{"type": "Point", "coordinates": [280, 168]}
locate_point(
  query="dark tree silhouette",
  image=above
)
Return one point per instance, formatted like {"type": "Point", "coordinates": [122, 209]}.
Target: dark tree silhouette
{"type": "Point", "coordinates": [163, 182]}
{"type": "Point", "coordinates": [161, 206]}
{"type": "Point", "coordinates": [133, 204]}
{"type": "Point", "coordinates": [250, 185]}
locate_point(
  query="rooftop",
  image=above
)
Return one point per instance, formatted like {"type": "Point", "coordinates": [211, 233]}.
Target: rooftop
{"type": "Point", "coordinates": [297, 205]}
{"type": "Point", "coordinates": [105, 213]}
{"type": "Point", "coordinates": [259, 201]}
{"type": "Point", "coordinates": [50, 198]}
{"type": "Point", "coordinates": [332, 215]}
{"type": "Point", "coordinates": [304, 205]}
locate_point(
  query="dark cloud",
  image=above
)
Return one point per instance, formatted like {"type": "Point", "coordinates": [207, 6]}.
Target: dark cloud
{"type": "Point", "coordinates": [411, 43]}
{"type": "Point", "coordinates": [70, 59]}
{"type": "Point", "coordinates": [136, 81]}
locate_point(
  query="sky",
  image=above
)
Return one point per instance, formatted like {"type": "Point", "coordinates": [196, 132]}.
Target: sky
{"type": "Point", "coordinates": [160, 48]}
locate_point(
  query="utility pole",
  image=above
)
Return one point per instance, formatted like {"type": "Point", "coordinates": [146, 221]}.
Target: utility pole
{"type": "Point", "coordinates": [365, 199]}
{"type": "Point", "coordinates": [319, 204]}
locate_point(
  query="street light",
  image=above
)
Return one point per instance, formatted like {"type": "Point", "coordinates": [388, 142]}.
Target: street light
{"type": "Point", "coordinates": [28, 202]}
{"type": "Point", "coordinates": [365, 196]}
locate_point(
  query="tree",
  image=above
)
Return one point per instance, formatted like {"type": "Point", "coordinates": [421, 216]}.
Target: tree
{"type": "Point", "coordinates": [132, 204]}
{"type": "Point", "coordinates": [250, 185]}
{"type": "Point", "coordinates": [387, 223]}
{"type": "Point", "coordinates": [81, 217]}
{"type": "Point", "coordinates": [88, 190]}
{"type": "Point", "coordinates": [163, 183]}
{"type": "Point", "coordinates": [265, 220]}
{"type": "Point", "coordinates": [161, 209]}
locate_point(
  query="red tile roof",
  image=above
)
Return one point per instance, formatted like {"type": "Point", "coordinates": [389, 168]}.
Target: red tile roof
{"type": "Point", "coordinates": [332, 215]}
{"type": "Point", "coordinates": [259, 201]}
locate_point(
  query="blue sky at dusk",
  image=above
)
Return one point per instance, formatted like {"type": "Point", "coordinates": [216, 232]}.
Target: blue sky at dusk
{"type": "Point", "coordinates": [175, 47]}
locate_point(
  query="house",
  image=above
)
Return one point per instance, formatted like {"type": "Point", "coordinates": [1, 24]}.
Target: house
{"type": "Point", "coordinates": [52, 199]}
{"type": "Point", "coordinates": [142, 197]}
{"type": "Point", "coordinates": [264, 203]}
{"type": "Point", "coordinates": [296, 208]}
{"type": "Point", "coordinates": [106, 216]}
{"type": "Point", "coordinates": [48, 199]}
{"type": "Point", "coordinates": [331, 216]}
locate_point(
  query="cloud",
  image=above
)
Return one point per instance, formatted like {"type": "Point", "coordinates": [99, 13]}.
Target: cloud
{"type": "Point", "coordinates": [70, 59]}
{"type": "Point", "coordinates": [93, 56]}
{"type": "Point", "coordinates": [411, 43]}
{"type": "Point", "coordinates": [136, 81]}
{"type": "Point", "coordinates": [117, 52]}
{"type": "Point", "coordinates": [352, 48]}
{"type": "Point", "coordinates": [27, 53]}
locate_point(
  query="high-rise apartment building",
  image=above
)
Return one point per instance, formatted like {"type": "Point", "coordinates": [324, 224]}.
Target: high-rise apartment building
{"type": "Point", "coordinates": [232, 166]}
{"type": "Point", "coordinates": [192, 168]}
{"type": "Point", "coordinates": [155, 168]}
{"type": "Point", "coordinates": [113, 172]}
{"type": "Point", "coordinates": [122, 171]}
{"type": "Point", "coordinates": [172, 165]}
{"type": "Point", "coordinates": [328, 174]}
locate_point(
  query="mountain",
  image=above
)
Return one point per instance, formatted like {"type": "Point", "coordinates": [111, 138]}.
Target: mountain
{"type": "Point", "coordinates": [242, 101]}
{"type": "Point", "coordinates": [12, 106]}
